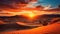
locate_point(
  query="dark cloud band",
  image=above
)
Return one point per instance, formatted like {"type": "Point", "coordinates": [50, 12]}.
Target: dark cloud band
{"type": "Point", "coordinates": [10, 3]}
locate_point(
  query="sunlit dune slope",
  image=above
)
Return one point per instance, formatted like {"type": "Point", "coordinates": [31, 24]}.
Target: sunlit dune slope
{"type": "Point", "coordinates": [50, 29]}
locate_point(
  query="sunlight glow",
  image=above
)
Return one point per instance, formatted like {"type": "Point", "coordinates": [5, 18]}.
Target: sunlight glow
{"type": "Point", "coordinates": [29, 14]}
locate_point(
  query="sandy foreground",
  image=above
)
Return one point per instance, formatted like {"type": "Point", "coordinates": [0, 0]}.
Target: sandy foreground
{"type": "Point", "coordinates": [50, 29]}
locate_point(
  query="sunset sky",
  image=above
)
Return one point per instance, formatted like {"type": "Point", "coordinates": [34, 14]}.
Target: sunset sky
{"type": "Point", "coordinates": [9, 5]}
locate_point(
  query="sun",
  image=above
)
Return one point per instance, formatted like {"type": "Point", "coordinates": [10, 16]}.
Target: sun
{"type": "Point", "coordinates": [29, 14]}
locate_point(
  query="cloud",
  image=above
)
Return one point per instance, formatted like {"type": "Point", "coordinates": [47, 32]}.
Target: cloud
{"type": "Point", "coordinates": [14, 7]}
{"type": "Point", "coordinates": [11, 4]}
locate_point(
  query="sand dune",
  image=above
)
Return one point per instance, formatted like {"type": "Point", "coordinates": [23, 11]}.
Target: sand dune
{"type": "Point", "coordinates": [50, 29]}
